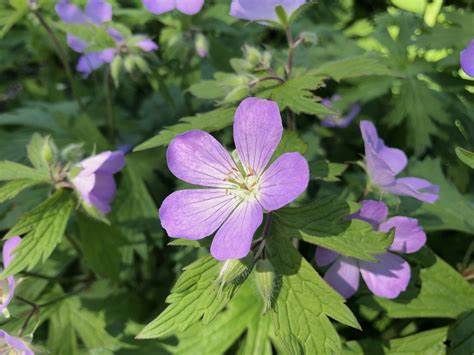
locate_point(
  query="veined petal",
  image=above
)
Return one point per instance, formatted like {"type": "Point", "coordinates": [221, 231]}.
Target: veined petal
{"type": "Point", "coordinates": [159, 6]}
{"type": "Point", "coordinates": [189, 7]}
{"type": "Point", "coordinates": [420, 189]}
{"type": "Point", "coordinates": [373, 212]}
{"type": "Point", "coordinates": [7, 287]}
{"type": "Point", "coordinates": [409, 236]}
{"type": "Point", "coordinates": [96, 189]}
{"type": "Point", "coordinates": [76, 44]}
{"type": "Point", "coordinates": [8, 248]}
{"type": "Point", "coordinates": [325, 256]}
{"type": "Point", "coordinates": [195, 214]}
{"type": "Point", "coordinates": [99, 11]}
{"type": "Point", "coordinates": [257, 132]}
{"type": "Point", "coordinates": [109, 162]}
{"type": "Point", "coordinates": [69, 13]}
{"type": "Point", "coordinates": [388, 277]}
{"type": "Point", "coordinates": [198, 158]}
{"type": "Point", "coordinates": [343, 276]}
{"type": "Point", "coordinates": [89, 62]}
{"type": "Point", "coordinates": [467, 59]}
{"type": "Point", "coordinates": [14, 343]}
{"type": "Point", "coordinates": [263, 9]}
{"type": "Point", "coordinates": [285, 179]}
{"type": "Point", "coordinates": [234, 239]}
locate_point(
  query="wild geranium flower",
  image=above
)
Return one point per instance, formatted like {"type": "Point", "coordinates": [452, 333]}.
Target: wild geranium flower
{"type": "Point", "coordinates": [337, 120]}
{"type": "Point", "coordinates": [13, 345]}
{"type": "Point", "coordinates": [7, 286]}
{"type": "Point", "coordinates": [188, 7]}
{"type": "Point", "coordinates": [238, 192]}
{"type": "Point", "coordinates": [467, 59]}
{"type": "Point", "coordinates": [384, 164]}
{"type": "Point", "coordinates": [263, 10]}
{"type": "Point", "coordinates": [95, 181]}
{"type": "Point", "coordinates": [391, 274]}
{"type": "Point", "coordinates": [96, 13]}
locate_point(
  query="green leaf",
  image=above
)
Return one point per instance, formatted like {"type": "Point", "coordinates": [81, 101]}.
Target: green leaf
{"type": "Point", "coordinates": [12, 188]}
{"type": "Point", "coordinates": [210, 121]}
{"type": "Point", "coordinates": [305, 301]}
{"type": "Point", "coordinates": [207, 89]}
{"type": "Point", "coordinates": [97, 37]}
{"type": "Point", "coordinates": [327, 171]}
{"type": "Point", "coordinates": [62, 338]}
{"type": "Point", "coordinates": [416, 6]}
{"type": "Point", "coordinates": [461, 335]}
{"type": "Point", "coordinates": [324, 222]}
{"type": "Point", "coordinates": [34, 149]}
{"type": "Point", "coordinates": [434, 298]}
{"type": "Point", "coordinates": [45, 226]}
{"type": "Point", "coordinates": [14, 171]}
{"type": "Point", "coordinates": [423, 343]}
{"type": "Point", "coordinates": [195, 296]}
{"type": "Point", "coordinates": [290, 142]}
{"type": "Point", "coordinates": [257, 340]}
{"type": "Point", "coordinates": [466, 156]}
{"type": "Point", "coordinates": [452, 211]}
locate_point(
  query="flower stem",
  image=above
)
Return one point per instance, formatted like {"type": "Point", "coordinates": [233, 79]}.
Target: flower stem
{"type": "Point", "coordinates": [62, 56]}
{"type": "Point", "coordinates": [109, 106]}
{"type": "Point", "coordinates": [265, 232]}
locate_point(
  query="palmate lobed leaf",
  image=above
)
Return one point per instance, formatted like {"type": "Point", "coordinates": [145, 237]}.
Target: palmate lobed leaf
{"type": "Point", "coordinates": [13, 171]}
{"type": "Point", "coordinates": [12, 188]}
{"type": "Point", "coordinates": [325, 223]}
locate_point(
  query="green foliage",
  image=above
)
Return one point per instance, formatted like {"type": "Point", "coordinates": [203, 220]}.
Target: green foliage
{"type": "Point", "coordinates": [325, 223]}
{"type": "Point", "coordinates": [12, 188]}
{"type": "Point", "coordinates": [14, 171]}
{"type": "Point", "coordinates": [466, 156]}
{"type": "Point", "coordinates": [460, 334]}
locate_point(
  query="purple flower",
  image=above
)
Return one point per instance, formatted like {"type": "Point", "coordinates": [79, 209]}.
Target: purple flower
{"type": "Point", "coordinates": [384, 164]}
{"type": "Point", "coordinates": [262, 10]}
{"type": "Point", "coordinates": [13, 345]}
{"type": "Point", "coordinates": [467, 59]}
{"type": "Point", "coordinates": [188, 7]}
{"type": "Point", "coordinates": [336, 121]}
{"type": "Point", "coordinates": [238, 192]}
{"type": "Point", "coordinates": [390, 275]}
{"type": "Point", "coordinates": [95, 182]}
{"type": "Point", "coordinates": [7, 287]}
{"type": "Point", "coordinates": [96, 13]}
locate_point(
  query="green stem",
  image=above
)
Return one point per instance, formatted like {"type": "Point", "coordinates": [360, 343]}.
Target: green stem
{"type": "Point", "coordinates": [62, 56]}
{"type": "Point", "coordinates": [109, 106]}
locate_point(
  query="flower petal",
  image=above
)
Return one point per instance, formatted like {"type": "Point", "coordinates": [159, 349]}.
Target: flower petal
{"type": "Point", "coordinates": [159, 6]}
{"type": "Point", "coordinates": [325, 256]}
{"type": "Point", "coordinates": [76, 44]}
{"type": "Point", "coordinates": [14, 343]}
{"type": "Point", "coordinates": [388, 277]}
{"type": "Point", "coordinates": [373, 212]}
{"type": "Point", "coordinates": [69, 13]}
{"type": "Point", "coordinates": [106, 162]}
{"type": "Point", "coordinates": [285, 179]}
{"type": "Point", "coordinates": [189, 7]}
{"type": "Point", "coordinates": [420, 189]}
{"type": "Point", "coordinates": [99, 11]}
{"type": "Point", "coordinates": [147, 45]}
{"type": "Point", "coordinates": [195, 214]}
{"type": "Point", "coordinates": [234, 239]}
{"type": "Point", "coordinates": [467, 59]}
{"type": "Point", "coordinates": [263, 9]}
{"type": "Point", "coordinates": [8, 248]}
{"type": "Point", "coordinates": [257, 132]}
{"type": "Point", "coordinates": [409, 236]}
{"type": "Point", "coordinates": [89, 62]}
{"type": "Point", "coordinates": [97, 189]}
{"type": "Point", "coordinates": [343, 276]}
{"type": "Point", "coordinates": [8, 287]}
{"type": "Point", "coordinates": [198, 158]}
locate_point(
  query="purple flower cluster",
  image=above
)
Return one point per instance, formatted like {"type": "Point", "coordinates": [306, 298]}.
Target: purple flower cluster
{"type": "Point", "coordinates": [390, 275]}
{"type": "Point", "coordinates": [467, 59]}
{"type": "Point", "coordinates": [188, 7]}
{"type": "Point", "coordinates": [96, 13]}
{"type": "Point", "coordinates": [262, 10]}
{"type": "Point", "coordinates": [238, 191]}
{"type": "Point", "coordinates": [8, 343]}
{"type": "Point", "coordinates": [338, 121]}
{"type": "Point", "coordinates": [384, 164]}
{"type": "Point", "coordinates": [95, 181]}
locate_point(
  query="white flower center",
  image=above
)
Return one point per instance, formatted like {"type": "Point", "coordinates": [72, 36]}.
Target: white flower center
{"type": "Point", "coordinates": [244, 185]}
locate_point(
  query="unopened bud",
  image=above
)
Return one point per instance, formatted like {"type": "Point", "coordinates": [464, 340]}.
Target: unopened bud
{"type": "Point", "coordinates": [265, 279]}
{"type": "Point", "coordinates": [252, 56]}
{"type": "Point", "coordinates": [202, 45]}
{"type": "Point", "coordinates": [234, 270]}
{"type": "Point", "coordinates": [49, 151]}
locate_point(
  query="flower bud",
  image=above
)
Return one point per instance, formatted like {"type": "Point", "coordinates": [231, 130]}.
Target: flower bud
{"type": "Point", "coordinates": [234, 270]}
{"type": "Point", "coordinates": [265, 279]}
{"type": "Point", "coordinates": [201, 44]}
{"type": "Point", "coordinates": [252, 56]}
{"type": "Point", "coordinates": [49, 151]}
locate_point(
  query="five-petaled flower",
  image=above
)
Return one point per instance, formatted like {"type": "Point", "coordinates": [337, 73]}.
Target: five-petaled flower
{"type": "Point", "coordinates": [95, 181]}
{"type": "Point", "coordinates": [238, 191]}
{"type": "Point", "coordinates": [467, 59]}
{"type": "Point", "coordinates": [188, 7]}
{"type": "Point", "coordinates": [96, 13]}
{"type": "Point", "coordinates": [390, 275]}
{"type": "Point", "coordinates": [263, 10]}
{"type": "Point", "coordinates": [337, 120]}
{"type": "Point", "coordinates": [384, 164]}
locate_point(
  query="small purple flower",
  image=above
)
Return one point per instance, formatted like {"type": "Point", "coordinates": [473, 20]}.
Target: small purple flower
{"type": "Point", "coordinates": [96, 12]}
{"type": "Point", "coordinates": [188, 7]}
{"type": "Point", "coordinates": [391, 274]}
{"type": "Point", "coordinates": [95, 182]}
{"type": "Point", "coordinates": [13, 345]}
{"type": "Point", "coordinates": [467, 59]}
{"type": "Point", "coordinates": [336, 121]}
{"type": "Point", "coordinates": [7, 287]}
{"type": "Point", "coordinates": [237, 192]}
{"type": "Point", "coordinates": [384, 164]}
{"type": "Point", "coordinates": [263, 10]}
